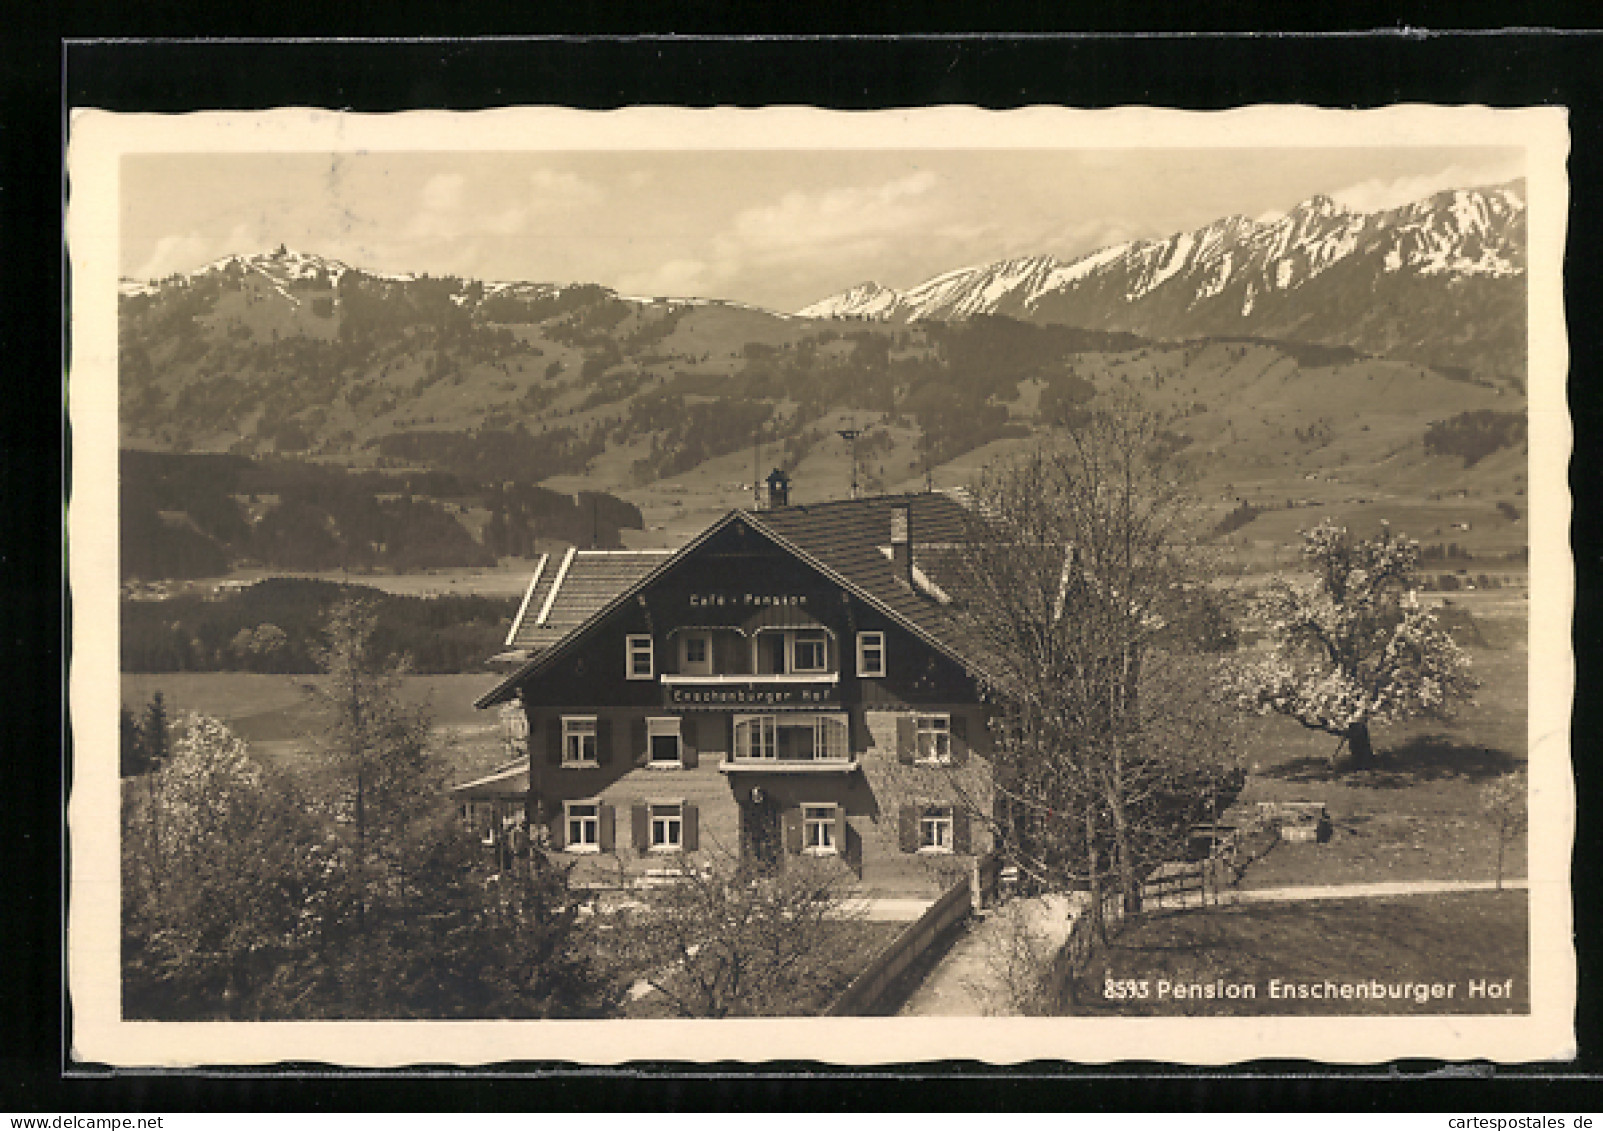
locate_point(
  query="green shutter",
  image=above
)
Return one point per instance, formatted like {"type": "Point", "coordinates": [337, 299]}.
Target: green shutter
{"type": "Point", "coordinates": [553, 741]}
{"type": "Point", "coordinates": [640, 826]}
{"type": "Point", "coordinates": [907, 829]}
{"type": "Point", "coordinates": [959, 739]}
{"type": "Point", "coordinates": [906, 739]}
{"type": "Point", "coordinates": [609, 833]}
{"type": "Point", "coordinates": [603, 741]}
{"type": "Point", "coordinates": [692, 830]}
{"type": "Point", "coordinates": [689, 753]}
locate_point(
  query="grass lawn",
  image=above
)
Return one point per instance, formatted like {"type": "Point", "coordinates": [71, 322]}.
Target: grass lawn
{"type": "Point", "coordinates": [1444, 939]}
{"type": "Point", "coordinates": [1416, 815]}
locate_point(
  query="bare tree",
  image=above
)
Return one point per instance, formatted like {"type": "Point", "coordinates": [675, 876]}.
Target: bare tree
{"type": "Point", "coordinates": [1079, 561]}
{"type": "Point", "coordinates": [721, 940]}
{"type": "Point", "coordinates": [1504, 806]}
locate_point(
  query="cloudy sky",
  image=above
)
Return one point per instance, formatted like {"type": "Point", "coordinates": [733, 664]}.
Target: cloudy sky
{"type": "Point", "coordinates": [776, 228]}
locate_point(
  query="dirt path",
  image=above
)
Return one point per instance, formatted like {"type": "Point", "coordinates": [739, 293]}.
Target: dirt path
{"type": "Point", "coordinates": [971, 979]}
{"type": "Point", "coordinates": [1336, 891]}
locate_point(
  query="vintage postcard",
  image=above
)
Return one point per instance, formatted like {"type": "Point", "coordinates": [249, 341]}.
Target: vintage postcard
{"type": "Point", "coordinates": [787, 585]}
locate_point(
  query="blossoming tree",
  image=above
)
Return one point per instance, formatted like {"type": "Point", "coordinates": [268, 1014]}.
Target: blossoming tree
{"type": "Point", "coordinates": [1355, 648]}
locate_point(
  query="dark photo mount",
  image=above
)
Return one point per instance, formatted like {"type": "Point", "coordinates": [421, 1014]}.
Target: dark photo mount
{"type": "Point", "coordinates": [1204, 73]}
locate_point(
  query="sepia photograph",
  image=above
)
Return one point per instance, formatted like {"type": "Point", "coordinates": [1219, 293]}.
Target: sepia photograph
{"type": "Point", "coordinates": [879, 587]}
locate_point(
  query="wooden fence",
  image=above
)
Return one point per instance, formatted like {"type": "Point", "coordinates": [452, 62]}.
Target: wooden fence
{"type": "Point", "coordinates": [1200, 883]}
{"type": "Point", "coordinates": [865, 991]}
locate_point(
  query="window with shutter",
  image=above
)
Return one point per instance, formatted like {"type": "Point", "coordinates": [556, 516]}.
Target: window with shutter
{"type": "Point", "coordinates": [582, 826]}
{"type": "Point", "coordinates": [818, 830]}
{"type": "Point", "coordinates": [933, 742]}
{"type": "Point", "coordinates": [664, 741]}
{"type": "Point", "coordinates": [871, 654]}
{"type": "Point", "coordinates": [609, 834]}
{"type": "Point", "coordinates": [959, 739]}
{"type": "Point", "coordinates": [580, 741]}
{"type": "Point", "coordinates": [692, 828]}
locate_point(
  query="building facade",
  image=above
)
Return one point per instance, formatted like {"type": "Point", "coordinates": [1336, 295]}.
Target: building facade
{"type": "Point", "coordinates": [786, 685]}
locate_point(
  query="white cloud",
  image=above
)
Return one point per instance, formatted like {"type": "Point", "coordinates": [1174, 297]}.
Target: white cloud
{"type": "Point", "coordinates": [567, 188]}
{"type": "Point", "coordinates": [1378, 194]}
{"type": "Point", "coordinates": [443, 192]}
{"type": "Point", "coordinates": [508, 222]}
{"type": "Point", "coordinates": [810, 224]}
{"type": "Point", "coordinates": [678, 278]}
{"type": "Point", "coordinates": [176, 253]}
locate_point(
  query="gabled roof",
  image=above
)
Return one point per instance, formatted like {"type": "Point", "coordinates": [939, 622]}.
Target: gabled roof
{"type": "Point", "coordinates": [842, 539]}
{"type": "Point", "coordinates": [852, 538]}
{"type": "Point", "coordinates": [568, 589]}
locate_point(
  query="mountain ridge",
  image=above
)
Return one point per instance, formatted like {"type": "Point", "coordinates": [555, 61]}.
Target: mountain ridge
{"type": "Point", "coordinates": [1276, 278]}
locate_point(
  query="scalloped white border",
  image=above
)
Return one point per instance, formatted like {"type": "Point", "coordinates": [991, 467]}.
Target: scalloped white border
{"type": "Point", "coordinates": [100, 139]}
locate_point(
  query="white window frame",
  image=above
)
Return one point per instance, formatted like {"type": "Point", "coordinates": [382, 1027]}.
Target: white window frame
{"type": "Point", "coordinates": [765, 729]}
{"type": "Point", "coordinates": [576, 728]}
{"type": "Point", "coordinates": [939, 727]}
{"type": "Point", "coordinates": [592, 821]}
{"type": "Point", "coordinates": [638, 645]}
{"type": "Point", "coordinates": [937, 829]}
{"type": "Point", "coordinates": [867, 641]}
{"type": "Point", "coordinates": [818, 830]}
{"type": "Point", "coordinates": [794, 640]}
{"type": "Point", "coordinates": [671, 823]}
{"type": "Point", "coordinates": [687, 666]}
{"type": "Point", "coordinates": [658, 726]}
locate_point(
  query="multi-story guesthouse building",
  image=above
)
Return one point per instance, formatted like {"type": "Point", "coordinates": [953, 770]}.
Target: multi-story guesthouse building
{"type": "Point", "coordinates": [789, 683]}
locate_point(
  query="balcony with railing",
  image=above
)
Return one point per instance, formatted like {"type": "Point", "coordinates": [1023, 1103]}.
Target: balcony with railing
{"type": "Point", "coordinates": [792, 742]}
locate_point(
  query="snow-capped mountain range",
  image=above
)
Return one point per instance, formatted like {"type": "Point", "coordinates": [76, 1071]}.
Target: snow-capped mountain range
{"type": "Point", "coordinates": [1228, 265]}
{"type": "Point", "coordinates": [1440, 281]}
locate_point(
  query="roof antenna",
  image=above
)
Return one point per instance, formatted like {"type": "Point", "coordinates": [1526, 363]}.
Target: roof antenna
{"type": "Point", "coordinates": [924, 451]}
{"type": "Point", "coordinates": [850, 435]}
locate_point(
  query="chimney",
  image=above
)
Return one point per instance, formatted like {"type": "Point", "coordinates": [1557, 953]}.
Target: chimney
{"type": "Point", "coordinates": [902, 541]}
{"type": "Point", "coordinates": [778, 489]}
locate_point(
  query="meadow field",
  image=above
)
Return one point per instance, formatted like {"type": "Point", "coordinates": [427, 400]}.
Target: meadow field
{"type": "Point", "coordinates": [279, 716]}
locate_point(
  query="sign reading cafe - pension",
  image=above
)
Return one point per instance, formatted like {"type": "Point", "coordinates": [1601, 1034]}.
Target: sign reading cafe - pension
{"type": "Point", "coordinates": [752, 600]}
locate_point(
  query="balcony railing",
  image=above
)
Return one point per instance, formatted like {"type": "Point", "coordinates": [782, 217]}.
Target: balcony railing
{"type": "Point", "coordinates": [765, 680]}
{"type": "Point", "coordinates": [788, 765]}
